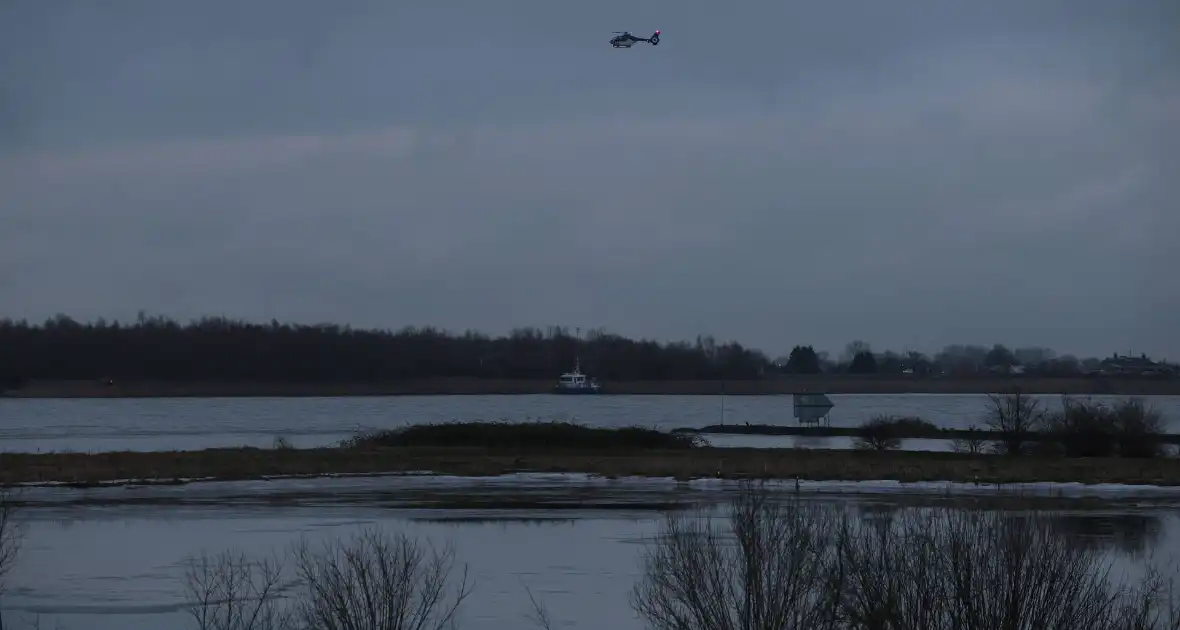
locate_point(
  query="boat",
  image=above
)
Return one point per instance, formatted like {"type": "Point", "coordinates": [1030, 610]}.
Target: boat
{"type": "Point", "coordinates": [576, 382]}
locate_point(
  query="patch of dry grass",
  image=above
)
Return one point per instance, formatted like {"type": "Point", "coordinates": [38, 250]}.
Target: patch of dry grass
{"type": "Point", "coordinates": [251, 463]}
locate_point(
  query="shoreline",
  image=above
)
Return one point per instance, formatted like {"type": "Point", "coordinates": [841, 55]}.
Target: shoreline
{"type": "Point", "coordinates": [823, 431]}
{"type": "Point", "coordinates": [778, 385]}
{"type": "Point", "coordinates": [238, 464]}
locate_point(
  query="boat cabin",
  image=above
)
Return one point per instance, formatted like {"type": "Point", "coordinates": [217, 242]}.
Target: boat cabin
{"type": "Point", "coordinates": [576, 381]}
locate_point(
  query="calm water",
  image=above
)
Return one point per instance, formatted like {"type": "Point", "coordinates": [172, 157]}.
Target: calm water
{"type": "Point", "coordinates": [188, 423]}
{"type": "Point", "coordinates": [107, 558]}
{"type": "Point", "coordinates": [112, 557]}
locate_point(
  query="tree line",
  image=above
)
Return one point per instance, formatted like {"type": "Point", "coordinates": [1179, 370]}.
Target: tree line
{"type": "Point", "coordinates": [219, 349]}
{"type": "Point", "coordinates": [960, 360]}
{"type": "Point", "coordinates": [224, 350]}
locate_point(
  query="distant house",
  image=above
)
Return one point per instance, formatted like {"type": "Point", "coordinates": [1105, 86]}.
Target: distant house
{"type": "Point", "coordinates": [1117, 365]}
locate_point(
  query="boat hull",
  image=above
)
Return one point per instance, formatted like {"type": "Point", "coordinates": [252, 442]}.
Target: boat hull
{"type": "Point", "coordinates": [576, 390]}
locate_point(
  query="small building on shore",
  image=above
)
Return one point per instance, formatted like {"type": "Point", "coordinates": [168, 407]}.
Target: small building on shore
{"type": "Point", "coordinates": [815, 409]}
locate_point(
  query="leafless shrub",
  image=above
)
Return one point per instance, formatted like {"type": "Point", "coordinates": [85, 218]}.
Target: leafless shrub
{"type": "Point", "coordinates": [1082, 429]}
{"type": "Point", "coordinates": [539, 615]}
{"type": "Point", "coordinates": [376, 581]}
{"type": "Point", "coordinates": [231, 592]}
{"type": "Point", "coordinates": [766, 572]}
{"type": "Point", "coordinates": [372, 581]}
{"type": "Point", "coordinates": [1015, 416]}
{"type": "Point", "coordinates": [880, 433]}
{"type": "Point", "coordinates": [952, 569]}
{"type": "Point", "coordinates": [281, 443]}
{"type": "Point", "coordinates": [1152, 604]}
{"type": "Point", "coordinates": [878, 562]}
{"type": "Point", "coordinates": [793, 564]}
{"type": "Point", "coordinates": [972, 443]}
{"type": "Point", "coordinates": [11, 536]}
{"type": "Point", "coordinates": [1128, 428]}
{"type": "Point", "coordinates": [1139, 429]}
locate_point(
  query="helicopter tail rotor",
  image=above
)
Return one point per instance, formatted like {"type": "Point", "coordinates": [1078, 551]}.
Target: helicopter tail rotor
{"type": "Point", "coordinates": [655, 38]}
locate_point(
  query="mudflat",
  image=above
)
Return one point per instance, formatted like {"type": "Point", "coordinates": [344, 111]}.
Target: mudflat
{"type": "Point", "coordinates": [248, 463]}
{"type": "Point", "coordinates": [777, 385]}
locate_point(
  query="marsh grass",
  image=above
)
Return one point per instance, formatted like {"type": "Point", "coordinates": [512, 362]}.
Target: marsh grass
{"type": "Point", "coordinates": [524, 435]}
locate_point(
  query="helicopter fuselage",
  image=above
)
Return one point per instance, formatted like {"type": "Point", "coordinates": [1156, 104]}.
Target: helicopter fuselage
{"type": "Point", "coordinates": [627, 40]}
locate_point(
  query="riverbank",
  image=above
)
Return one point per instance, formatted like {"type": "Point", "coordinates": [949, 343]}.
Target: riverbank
{"type": "Point", "coordinates": [778, 385]}
{"type": "Point", "coordinates": [900, 432]}
{"type": "Point", "coordinates": [731, 463]}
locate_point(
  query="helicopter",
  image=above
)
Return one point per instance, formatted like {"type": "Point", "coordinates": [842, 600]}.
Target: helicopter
{"type": "Point", "coordinates": [624, 39]}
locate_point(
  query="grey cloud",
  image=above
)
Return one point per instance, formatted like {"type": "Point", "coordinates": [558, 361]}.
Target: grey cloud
{"type": "Point", "coordinates": [913, 173]}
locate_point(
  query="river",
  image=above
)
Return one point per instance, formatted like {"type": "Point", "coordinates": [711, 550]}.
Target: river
{"type": "Point", "coordinates": [110, 558]}
{"type": "Point", "coordinates": [40, 425]}
{"type": "Point", "coordinates": [106, 558]}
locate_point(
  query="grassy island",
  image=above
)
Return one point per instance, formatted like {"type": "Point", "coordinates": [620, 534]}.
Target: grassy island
{"type": "Point", "coordinates": [483, 449]}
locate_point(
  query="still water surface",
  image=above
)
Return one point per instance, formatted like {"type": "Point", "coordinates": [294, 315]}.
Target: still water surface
{"type": "Point", "coordinates": [34, 425]}
{"type": "Point", "coordinates": [112, 558]}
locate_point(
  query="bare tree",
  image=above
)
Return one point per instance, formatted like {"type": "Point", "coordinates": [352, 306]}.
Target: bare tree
{"type": "Point", "coordinates": [231, 592]}
{"type": "Point", "coordinates": [376, 581]}
{"type": "Point", "coordinates": [760, 573]}
{"type": "Point", "coordinates": [1014, 416]}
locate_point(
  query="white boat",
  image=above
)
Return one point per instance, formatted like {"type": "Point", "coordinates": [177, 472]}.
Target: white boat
{"type": "Point", "coordinates": [576, 382]}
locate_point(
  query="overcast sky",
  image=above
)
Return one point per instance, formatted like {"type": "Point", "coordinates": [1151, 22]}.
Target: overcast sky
{"type": "Point", "coordinates": [912, 173]}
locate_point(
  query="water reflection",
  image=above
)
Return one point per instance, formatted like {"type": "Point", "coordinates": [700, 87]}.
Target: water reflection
{"type": "Point", "coordinates": [878, 511]}
{"type": "Point", "coordinates": [816, 442]}
{"type": "Point", "coordinates": [1133, 534]}
{"type": "Point", "coordinates": [576, 546]}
